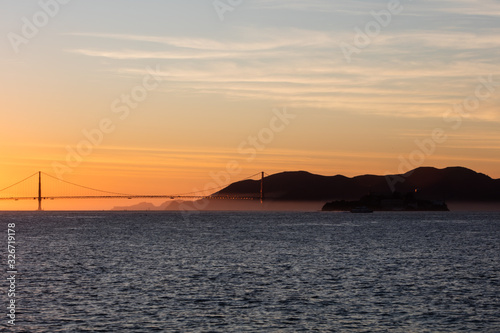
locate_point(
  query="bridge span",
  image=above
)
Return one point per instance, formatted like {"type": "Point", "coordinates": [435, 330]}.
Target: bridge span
{"type": "Point", "coordinates": [11, 192]}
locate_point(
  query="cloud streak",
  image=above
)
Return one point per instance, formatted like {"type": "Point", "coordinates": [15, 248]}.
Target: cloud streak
{"type": "Point", "coordinates": [398, 75]}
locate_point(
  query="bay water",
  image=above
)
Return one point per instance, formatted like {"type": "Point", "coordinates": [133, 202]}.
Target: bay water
{"type": "Point", "coordinates": [254, 272]}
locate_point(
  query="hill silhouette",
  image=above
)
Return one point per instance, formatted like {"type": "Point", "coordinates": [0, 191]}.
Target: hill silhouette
{"type": "Point", "coordinates": [301, 190]}
{"type": "Point", "coordinates": [456, 184]}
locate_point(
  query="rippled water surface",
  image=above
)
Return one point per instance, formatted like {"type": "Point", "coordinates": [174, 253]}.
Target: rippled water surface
{"type": "Point", "coordinates": [253, 272]}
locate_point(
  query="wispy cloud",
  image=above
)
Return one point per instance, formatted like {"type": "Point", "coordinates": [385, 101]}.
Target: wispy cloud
{"type": "Point", "coordinates": [399, 75]}
{"type": "Point", "coordinates": [265, 41]}
{"type": "Point", "coordinates": [469, 7]}
{"type": "Point", "coordinates": [356, 7]}
{"type": "Point", "coordinates": [128, 54]}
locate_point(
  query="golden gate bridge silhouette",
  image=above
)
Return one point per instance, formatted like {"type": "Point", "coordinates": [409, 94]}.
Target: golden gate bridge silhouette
{"type": "Point", "coordinates": [30, 188]}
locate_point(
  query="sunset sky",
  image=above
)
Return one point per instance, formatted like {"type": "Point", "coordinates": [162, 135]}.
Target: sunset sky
{"type": "Point", "coordinates": [159, 96]}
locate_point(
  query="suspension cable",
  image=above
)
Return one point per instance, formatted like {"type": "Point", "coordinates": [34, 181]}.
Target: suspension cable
{"type": "Point", "coordinates": [116, 193]}
{"type": "Point", "coordinates": [19, 182]}
{"type": "Point", "coordinates": [85, 187]}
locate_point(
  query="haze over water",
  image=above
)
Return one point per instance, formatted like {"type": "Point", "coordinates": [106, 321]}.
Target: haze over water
{"type": "Point", "coordinates": [257, 271]}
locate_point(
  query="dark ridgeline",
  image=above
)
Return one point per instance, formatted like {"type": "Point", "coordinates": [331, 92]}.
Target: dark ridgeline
{"type": "Point", "coordinates": [455, 184]}
{"type": "Point", "coordinates": [424, 188]}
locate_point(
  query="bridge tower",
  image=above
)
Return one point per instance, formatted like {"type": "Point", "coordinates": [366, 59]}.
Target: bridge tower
{"type": "Point", "coordinates": [39, 190]}
{"type": "Point", "coordinates": [262, 187]}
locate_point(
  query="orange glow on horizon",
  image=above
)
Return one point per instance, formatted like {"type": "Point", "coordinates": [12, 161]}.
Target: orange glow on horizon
{"type": "Point", "coordinates": [195, 177]}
